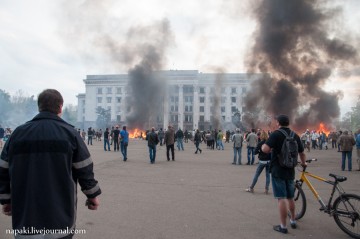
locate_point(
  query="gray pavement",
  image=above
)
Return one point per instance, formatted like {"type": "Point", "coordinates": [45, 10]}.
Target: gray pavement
{"type": "Point", "coordinates": [197, 196]}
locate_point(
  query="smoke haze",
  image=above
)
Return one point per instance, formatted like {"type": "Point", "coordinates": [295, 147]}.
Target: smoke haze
{"type": "Point", "coordinates": [297, 49]}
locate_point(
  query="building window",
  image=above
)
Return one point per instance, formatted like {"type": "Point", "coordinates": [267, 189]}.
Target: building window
{"type": "Point", "coordinates": [83, 102]}
{"type": "Point", "coordinates": [202, 109]}
{"type": "Point", "coordinates": [233, 90]}
{"type": "Point", "coordinates": [188, 99]}
{"type": "Point", "coordinates": [109, 108]}
{"type": "Point", "coordinates": [188, 118]}
{"type": "Point", "coordinates": [99, 91]}
{"type": "Point", "coordinates": [202, 99]}
{"type": "Point", "coordinates": [99, 100]}
{"type": "Point", "coordinates": [223, 100]}
{"type": "Point", "coordinates": [108, 99]}
{"type": "Point", "coordinates": [118, 109]}
{"type": "Point", "coordinates": [118, 90]}
{"type": "Point", "coordinates": [202, 90]}
{"type": "Point", "coordinates": [233, 109]}
{"type": "Point", "coordinates": [108, 90]}
{"type": "Point", "coordinates": [233, 99]}
{"type": "Point", "coordinates": [188, 108]}
{"type": "Point", "coordinates": [118, 99]}
{"type": "Point", "coordinates": [188, 89]}
{"type": "Point", "coordinates": [222, 109]}
{"type": "Point", "coordinates": [174, 118]}
{"type": "Point", "coordinates": [118, 118]}
{"type": "Point", "coordinates": [202, 118]}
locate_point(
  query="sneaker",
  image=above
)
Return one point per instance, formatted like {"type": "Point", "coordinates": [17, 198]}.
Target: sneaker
{"type": "Point", "coordinates": [278, 228]}
{"type": "Point", "coordinates": [249, 190]}
{"type": "Point", "coordinates": [293, 225]}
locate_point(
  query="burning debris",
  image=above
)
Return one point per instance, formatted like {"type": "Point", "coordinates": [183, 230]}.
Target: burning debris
{"type": "Point", "coordinates": [297, 55]}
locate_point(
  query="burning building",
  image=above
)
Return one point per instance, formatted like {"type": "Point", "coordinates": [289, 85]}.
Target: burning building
{"type": "Point", "coordinates": [186, 99]}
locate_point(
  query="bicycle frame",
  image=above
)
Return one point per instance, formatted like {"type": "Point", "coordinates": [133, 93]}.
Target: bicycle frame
{"type": "Point", "coordinates": [303, 178]}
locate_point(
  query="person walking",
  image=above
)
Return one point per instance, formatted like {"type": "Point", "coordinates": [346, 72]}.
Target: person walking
{"type": "Point", "coordinates": [40, 166]}
{"type": "Point", "coordinates": [346, 143]}
{"type": "Point", "coordinates": [90, 136]}
{"type": "Point", "coordinates": [124, 142]}
{"type": "Point", "coordinates": [358, 149]}
{"type": "Point", "coordinates": [106, 139]}
{"type": "Point", "coordinates": [179, 139]}
{"type": "Point", "coordinates": [2, 134]}
{"type": "Point", "coordinates": [161, 135]}
{"type": "Point", "coordinates": [237, 138]}
{"type": "Point", "coordinates": [264, 163]}
{"type": "Point", "coordinates": [220, 137]}
{"type": "Point", "coordinates": [251, 139]}
{"type": "Point", "coordinates": [116, 138]}
{"type": "Point", "coordinates": [169, 141]}
{"type": "Point", "coordinates": [153, 140]}
{"type": "Point", "coordinates": [282, 178]}
{"type": "Point", "coordinates": [197, 141]}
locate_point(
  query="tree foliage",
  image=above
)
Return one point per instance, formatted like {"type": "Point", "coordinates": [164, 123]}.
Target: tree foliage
{"type": "Point", "coordinates": [351, 120]}
{"type": "Point", "coordinates": [103, 119]}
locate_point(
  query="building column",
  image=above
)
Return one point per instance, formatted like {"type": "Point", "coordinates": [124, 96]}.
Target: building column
{"type": "Point", "coordinates": [228, 104]}
{"type": "Point", "coordinates": [207, 105]}
{"type": "Point", "coordinates": [196, 108]}
{"type": "Point", "coordinates": [166, 109]}
{"type": "Point", "coordinates": [181, 107]}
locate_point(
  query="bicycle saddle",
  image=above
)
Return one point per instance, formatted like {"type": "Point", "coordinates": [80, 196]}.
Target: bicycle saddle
{"type": "Point", "coordinates": [338, 178]}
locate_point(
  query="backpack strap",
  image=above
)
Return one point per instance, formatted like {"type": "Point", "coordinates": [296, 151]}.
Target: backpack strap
{"type": "Point", "coordinates": [284, 132]}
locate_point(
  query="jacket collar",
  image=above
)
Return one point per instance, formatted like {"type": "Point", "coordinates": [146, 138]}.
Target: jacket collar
{"type": "Point", "coordinates": [47, 115]}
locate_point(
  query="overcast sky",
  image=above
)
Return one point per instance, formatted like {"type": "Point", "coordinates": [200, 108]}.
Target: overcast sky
{"type": "Point", "coordinates": [53, 44]}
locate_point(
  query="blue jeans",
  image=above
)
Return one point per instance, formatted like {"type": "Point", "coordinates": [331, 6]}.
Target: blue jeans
{"type": "Point", "coordinates": [237, 151]}
{"type": "Point", "coordinates": [220, 144]}
{"type": "Point", "coordinates": [283, 188]}
{"type": "Point", "coordinates": [349, 155]}
{"type": "Point", "coordinates": [251, 150]}
{"type": "Point", "coordinates": [124, 150]}
{"type": "Point", "coordinates": [180, 144]}
{"type": "Point", "coordinates": [152, 153]}
{"type": "Point", "coordinates": [258, 172]}
{"type": "Point", "coordinates": [89, 140]}
{"type": "Point", "coordinates": [106, 142]}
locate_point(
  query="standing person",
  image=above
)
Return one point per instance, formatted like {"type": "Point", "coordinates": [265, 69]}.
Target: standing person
{"type": "Point", "coordinates": [251, 145]}
{"type": "Point", "coordinates": [169, 141]}
{"type": "Point", "coordinates": [124, 142]}
{"type": "Point", "coordinates": [264, 163]}
{"type": "Point", "coordinates": [90, 135]}
{"type": "Point", "coordinates": [83, 134]}
{"type": "Point", "coordinates": [40, 166]}
{"type": "Point", "coordinates": [161, 135]}
{"type": "Point", "coordinates": [227, 136]}
{"type": "Point", "coordinates": [115, 135]}
{"type": "Point", "coordinates": [283, 178]}
{"type": "Point", "coordinates": [197, 141]}
{"type": "Point", "coordinates": [106, 139]}
{"type": "Point", "coordinates": [179, 139]}
{"type": "Point", "coordinates": [237, 138]}
{"type": "Point", "coordinates": [112, 135]}
{"type": "Point", "coordinates": [153, 140]}
{"type": "Point", "coordinates": [2, 134]}
{"type": "Point", "coordinates": [358, 149]}
{"type": "Point", "coordinates": [220, 137]}
{"type": "Point", "coordinates": [346, 143]}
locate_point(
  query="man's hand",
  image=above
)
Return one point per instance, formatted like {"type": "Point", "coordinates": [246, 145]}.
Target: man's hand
{"type": "Point", "coordinates": [92, 203]}
{"type": "Point", "coordinates": [6, 208]}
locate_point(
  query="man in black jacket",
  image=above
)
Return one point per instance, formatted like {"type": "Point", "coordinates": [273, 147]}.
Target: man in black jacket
{"type": "Point", "coordinates": [40, 166]}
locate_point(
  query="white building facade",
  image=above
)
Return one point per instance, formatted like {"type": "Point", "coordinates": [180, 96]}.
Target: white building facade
{"type": "Point", "coordinates": [192, 100]}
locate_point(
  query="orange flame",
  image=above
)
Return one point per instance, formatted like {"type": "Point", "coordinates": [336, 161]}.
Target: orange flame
{"type": "Point", "coordinates": [135, 133]}
{"type": "Point", "coordinates": [323, 128]}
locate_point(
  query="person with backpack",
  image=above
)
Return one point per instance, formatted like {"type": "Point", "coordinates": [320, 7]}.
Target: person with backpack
{"type": "Point", "coordinates": [237, 138]}
{"type": "Point", "coordinates": [264, 163]}
{"type": "Point", "coordinates": [286, 146]}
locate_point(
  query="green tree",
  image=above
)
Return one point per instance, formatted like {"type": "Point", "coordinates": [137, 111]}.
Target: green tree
{"type": "Point", "coordinates": [70, 114]}
{"type": "Point", "coordinates": [5, 106]}
{"type": "Point", "coordinates": [103, 119]}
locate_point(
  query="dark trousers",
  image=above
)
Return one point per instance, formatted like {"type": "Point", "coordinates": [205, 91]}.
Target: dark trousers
{"type": "Point", "coordinates": [168, 148]}
{"type": "Point", "coordinates": [116, 144]}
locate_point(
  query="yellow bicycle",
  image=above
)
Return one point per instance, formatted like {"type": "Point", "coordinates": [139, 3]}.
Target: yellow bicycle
{"type": "Point", "coordinates": [345, 209]}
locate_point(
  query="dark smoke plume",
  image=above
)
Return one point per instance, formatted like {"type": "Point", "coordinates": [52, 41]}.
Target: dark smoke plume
{"type": "Point", "coordinates": [297, 55]}
{"type": "Point", "coordinates": [145, 47]}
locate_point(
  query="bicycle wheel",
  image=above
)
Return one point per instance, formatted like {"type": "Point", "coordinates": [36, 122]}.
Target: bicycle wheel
{"type": "Point", "coordinates": [347, 214]}
{"type": "Point", "coordinates": [300, 202]}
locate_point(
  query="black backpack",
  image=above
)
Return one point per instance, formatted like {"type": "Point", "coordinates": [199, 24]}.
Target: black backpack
{"type": "Point", "coordinates": [288, 156]}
